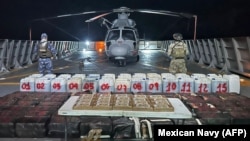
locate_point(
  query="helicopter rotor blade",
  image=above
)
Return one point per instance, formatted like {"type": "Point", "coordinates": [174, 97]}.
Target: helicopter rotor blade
{"type": "Point", "coordinates": [187, 15]}
{"type": "Point", "coordinates": [158, 12]}
{"type": "Point", "coordinates": [163, 12]}
{"type": "Point", "coordinates": [169, 13]}
{"type": "Point", "coordinates": [67, 15]}
{"type": "Point", "coordinates": [97, 17]}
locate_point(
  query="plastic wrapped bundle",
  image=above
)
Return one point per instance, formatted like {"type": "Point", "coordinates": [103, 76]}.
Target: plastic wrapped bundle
{"type": "Point", "coordinates": [88, 123]}
{"type": "Point", "coordinates": [239, 117]}
{"type": "Point", "coordinates": [7, 126]}
{"type": "Point", "coordinates": [56, 126]}
{"type": "Point", "coordinates": [214, 118]}
{"type": "Point", "coordinates": [123, 128]}
{"type": "Point", "coordinates": [32, 127]}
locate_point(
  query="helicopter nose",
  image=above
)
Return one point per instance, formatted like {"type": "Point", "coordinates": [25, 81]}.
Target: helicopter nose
{"type": "Point", "coordinates": [119, 50]}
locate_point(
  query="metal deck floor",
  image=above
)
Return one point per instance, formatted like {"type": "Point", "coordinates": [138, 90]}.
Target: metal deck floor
{"type": "Point", "coordinates": [151, 61]}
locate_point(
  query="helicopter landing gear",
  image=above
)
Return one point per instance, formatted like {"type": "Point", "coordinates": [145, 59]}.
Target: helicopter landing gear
{"type": "Point", "coordinates": [137, 58]}
{"type": "Point", "coordinates": [122, 62]}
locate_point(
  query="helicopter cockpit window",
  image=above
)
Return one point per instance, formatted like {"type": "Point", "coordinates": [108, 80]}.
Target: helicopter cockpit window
{"type": "Point", "coordinates": [113, 35]}
{"type": "Point", "coordinates": [128, 35]}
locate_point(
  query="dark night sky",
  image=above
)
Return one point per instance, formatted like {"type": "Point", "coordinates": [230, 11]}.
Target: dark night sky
{"type": "Point", "coordinates": [216, 18]}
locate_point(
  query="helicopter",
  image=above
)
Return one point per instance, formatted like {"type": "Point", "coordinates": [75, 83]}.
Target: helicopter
{"type": "Point", "coordinates": [122, 37]}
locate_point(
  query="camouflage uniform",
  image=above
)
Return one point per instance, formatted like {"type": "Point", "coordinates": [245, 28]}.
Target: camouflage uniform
{"type": "Point", "coordinates": [177, 65]}
{"type": "Point", "coordinates": [45, 62]}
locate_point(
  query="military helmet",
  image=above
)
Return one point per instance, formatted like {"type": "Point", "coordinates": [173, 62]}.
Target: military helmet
{"type": "Point", "coordinates": [44, 35]}
{"type": "Point", "coordinates": [177, 36]}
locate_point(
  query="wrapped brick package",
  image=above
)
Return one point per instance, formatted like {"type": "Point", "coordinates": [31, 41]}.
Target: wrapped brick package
{"type": "Point", "coordinates": [32, 127]}
{"type": "Point", "coordinates": [7, 126]}
{"type": "Point", "coordinates": [56, 126]}
{"type": "Point", "coordinates": [123, 128]}
{"type": "Point", "coordinates": [93, 122]}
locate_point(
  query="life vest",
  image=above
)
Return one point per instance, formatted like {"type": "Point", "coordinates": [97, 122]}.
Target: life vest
{"type": "Point", "coordinates": [178, 51]}
{"type": "Point", "coordinates": [43, 51]}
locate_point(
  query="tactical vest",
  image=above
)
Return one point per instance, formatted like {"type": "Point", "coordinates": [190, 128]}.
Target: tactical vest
{"type": "Point", "coordinates": [178, 51]}
{"type": "Point", "coordinates": [44, 52]}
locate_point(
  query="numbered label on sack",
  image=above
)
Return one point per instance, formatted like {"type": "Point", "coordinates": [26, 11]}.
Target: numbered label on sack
{"type": "Point", "coordinates": [221, 87]}
{"type": "Point", "coordinates": [122, 86]}
{"type": "Point", "coordinates": [42, 85]}
{"type": "Point", "coordinates": [89, 85]}
{"type": "Point", "coordinates": [106, 84]}
{"type": "Point", "coordinates": [27, 84]}
{"type": "Point", "coordinates": [171, 87]}
{"type": "Point", "coordinates": [26, 87]}
{"type": "Point", "coordinates": [186, 87]}
{"type": "Point", "coordinates": [203, 88]}
{"type": "Point", "coordinates": [154, 86]}
{"type": "Point", "coordinates": [202, 85]}
{"type": "Point", "coordinates": [73, 86]}
{"type": "Point", "coordinates": [105, 87]}
{"type": "Point", "coordinates": [138, 86]}
{"type": "Point", "coordinates": [58, 85]}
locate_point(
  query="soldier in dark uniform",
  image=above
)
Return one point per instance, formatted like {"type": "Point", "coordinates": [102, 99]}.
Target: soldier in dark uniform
{"type": "Point", "coordinates": [46, 52]}
{"type": "Point", "coordinates": [178, 51]}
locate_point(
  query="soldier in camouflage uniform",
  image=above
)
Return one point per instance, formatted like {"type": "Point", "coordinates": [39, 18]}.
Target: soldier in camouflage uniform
{"type": "Point", "coordinates": [178, 51]}
{"type": "Point", "coordinates": [46, 52]}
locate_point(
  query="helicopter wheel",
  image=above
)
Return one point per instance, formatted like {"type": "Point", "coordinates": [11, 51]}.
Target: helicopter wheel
{"type": "Point", "coordinates": [122, 62]}
{"type": "Point", "coordinates": [137, 58]}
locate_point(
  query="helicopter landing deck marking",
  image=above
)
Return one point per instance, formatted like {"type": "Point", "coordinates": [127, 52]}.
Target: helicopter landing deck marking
{"type": "Point", "coordinates": [10, 84]}
{"type": "Point", "coordinates": [61, 68]}
{"type": "Point", "coordinates": [145, 64]}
